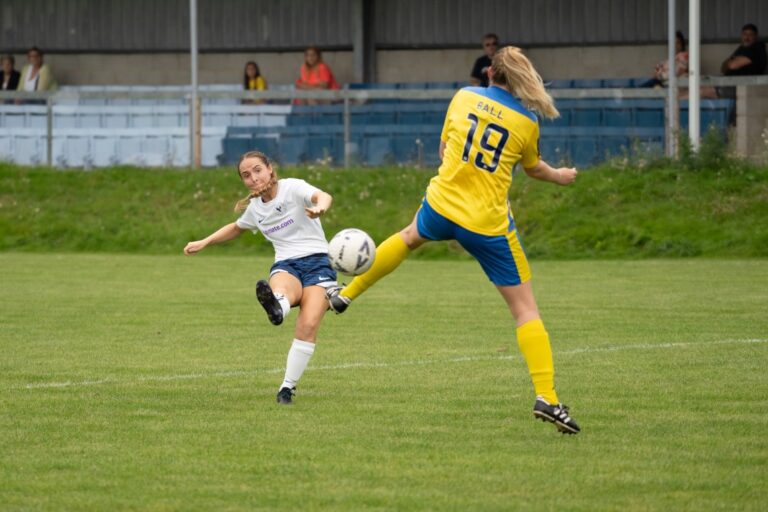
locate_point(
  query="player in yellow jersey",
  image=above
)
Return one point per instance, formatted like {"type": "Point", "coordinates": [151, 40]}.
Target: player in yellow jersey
{"type": "Point", "coordinates": [486, 132]}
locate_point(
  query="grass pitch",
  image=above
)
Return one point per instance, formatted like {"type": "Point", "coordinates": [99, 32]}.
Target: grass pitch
{"type": "Point", "coordinates": [148, 382]}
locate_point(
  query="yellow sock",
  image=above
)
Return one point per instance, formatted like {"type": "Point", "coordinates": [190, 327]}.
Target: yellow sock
{"type": "Point", "coordinates": [389, 254]}
{"type": "Point", "coordinates": [533, 340]}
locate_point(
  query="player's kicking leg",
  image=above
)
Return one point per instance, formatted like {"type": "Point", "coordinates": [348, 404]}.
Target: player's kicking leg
{"type": "Point", "coordinates": [277, 295]}
{"type": "Point", "coordinates": [389, 255]}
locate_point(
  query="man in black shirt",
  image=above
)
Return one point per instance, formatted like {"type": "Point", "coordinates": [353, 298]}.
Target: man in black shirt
{"type": "Point", "coordinates": [479, 75]}
{"type": "Point", "coordinates": [749, 58]}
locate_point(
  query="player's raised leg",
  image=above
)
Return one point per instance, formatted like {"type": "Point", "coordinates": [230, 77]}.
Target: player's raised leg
{"type": "Point", "coordinates": [277, 296]}
{"type": "Point", "coordinates": [313, 308]}
{"type": "Point", "coordinates": [389, 255]}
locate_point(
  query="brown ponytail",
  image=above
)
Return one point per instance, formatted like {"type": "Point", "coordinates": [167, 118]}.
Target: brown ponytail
{"type": "Point", "coordinates": [512, 69]}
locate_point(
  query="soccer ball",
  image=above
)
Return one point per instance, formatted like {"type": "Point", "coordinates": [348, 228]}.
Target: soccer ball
{"type": "Point", "coordinates": [351, 251]}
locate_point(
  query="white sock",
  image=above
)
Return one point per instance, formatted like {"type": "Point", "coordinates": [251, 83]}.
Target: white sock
{"type": "Point", "coordinates": [298, 358]}
{"type": "Point", "coordinates": [283, 304]}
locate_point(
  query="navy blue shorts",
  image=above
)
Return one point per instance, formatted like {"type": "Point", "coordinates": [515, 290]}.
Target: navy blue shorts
{"type": "Point", "coordinates": [311, 270]}
{"type": "Point", "coordinates": [502, 257]}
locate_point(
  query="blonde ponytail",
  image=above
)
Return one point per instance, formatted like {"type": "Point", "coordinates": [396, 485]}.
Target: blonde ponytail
{"type": "Point", "coordinates": [242, 204]}
{"type": "Point", "coordinates": [513, 69]}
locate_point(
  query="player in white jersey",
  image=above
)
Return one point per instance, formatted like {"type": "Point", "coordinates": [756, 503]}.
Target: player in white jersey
{"type": "Point", "coordinates": [287, 213]}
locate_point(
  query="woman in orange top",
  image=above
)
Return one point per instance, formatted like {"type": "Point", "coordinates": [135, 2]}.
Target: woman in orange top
{"type": "Point", "coordinates": [315, 74]}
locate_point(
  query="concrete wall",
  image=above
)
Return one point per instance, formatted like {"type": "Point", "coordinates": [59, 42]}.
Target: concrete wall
{"type": "Point", "coordinates": [393, 65]}
{"type": "Point", "coordinates": [552, 63]}
{"type": "Point", "coordinates": [751, 138]}
{"type": "Point", "coordinates": [173, 68]}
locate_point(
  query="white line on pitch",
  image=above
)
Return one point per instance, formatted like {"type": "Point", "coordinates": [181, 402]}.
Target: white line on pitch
{"type": "Point", "coordinates": [393, 364]}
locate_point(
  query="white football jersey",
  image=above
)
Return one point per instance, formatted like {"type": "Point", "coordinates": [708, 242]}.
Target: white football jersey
{"type": "Point", "coordinates": [284, 222]}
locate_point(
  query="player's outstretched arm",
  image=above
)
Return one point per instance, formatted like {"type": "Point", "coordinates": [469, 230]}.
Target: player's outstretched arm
{"type": "Point", "coordinates": [226, 233]}
{"type": "Point", "coordinates": [545, 172]}
{"type": "Point", "coordinates": [322, 201]}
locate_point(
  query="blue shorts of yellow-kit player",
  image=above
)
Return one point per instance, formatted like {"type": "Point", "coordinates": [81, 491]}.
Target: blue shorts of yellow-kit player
{"type": "Point", "coordinates": [502, 257]}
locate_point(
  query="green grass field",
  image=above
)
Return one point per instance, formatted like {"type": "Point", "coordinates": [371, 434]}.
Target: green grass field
{"type": "Point", "coordinates": [148, 383]}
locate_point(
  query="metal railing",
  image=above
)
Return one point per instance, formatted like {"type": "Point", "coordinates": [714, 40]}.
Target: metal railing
{"type": "Point", "coordinates": [344, 96]}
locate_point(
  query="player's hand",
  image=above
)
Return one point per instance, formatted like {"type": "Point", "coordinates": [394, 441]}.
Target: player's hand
{"type": "Point", "coordinates": [194, 247]}
{"type": "Point", "coordinates": [314, 212]}
{"type": "Point", "coordinates": [566, 175]}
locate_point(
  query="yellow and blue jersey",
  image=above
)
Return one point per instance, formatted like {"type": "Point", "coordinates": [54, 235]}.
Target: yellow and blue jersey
{"type": "Point", "coordinates": [486, 132]}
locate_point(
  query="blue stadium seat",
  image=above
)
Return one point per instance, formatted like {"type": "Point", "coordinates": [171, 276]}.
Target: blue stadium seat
{"type": "Point", "coordinates": [377, 150]}
{"type": "Point", "coordinates": [6, 148]}
{"type": "Point", "coordinates": [293, 149]}
{"type": "Point", "coordinates": [267, 145]}
{"type": "Point", "coordinates": [563, 120]}
{"type": "Point", "coordinates": [587, 83]}
{"type": "Point", "coordinates": [77, 152]}
{"type": "Point", "coordinates": [613, 147]}
{"type": "Point", "coordinates": [410, 117]}
{"type": "Point", "coordinates": [584, 151]}
{"type": "Point", "coordinates": [142, 121]}
{"type": "Point", "coordinates": [232, 148]}
{"type": "Point", "coordinates": [92, 121]}
{"type": "Point", "coordinates": [559, 84]}
{"type": "Point", "coordinates": [178, 152]}
{"type": "Point", "coordinates": [35, 120]}
{"type": "Point", "coordinates": [216, 119]}
{"type": "Point", "coordinates": [380, 118]}
{"type": "Point", "coordinates": [167, 120]}
{"type": "Point", "coordinates": [63, 121]}
{"type": "Point", "coordinates": [404, 148]}
{"type": "Point", "coordinates": [299, 120]}
{"type": "Point", "coordinates": [241, 119]}
{"type": "Point", "coordinates": [441, 85]}
{"type": "Point", "coordinates": [618, 83]}
{"type": "Point", "coordinates": [431, 155]}
{"type": "Point", "coordinates": [553, 149]}
{"type": "Point", "coordinates": [14, 120]}
{"type": "Point", "coordinates": [114, 120]}
{"type": "Point", "coordinates": [322, 147]}
{"type": "Point", "coordinates": [435, 117]}
{"type": "Point", "coordinates": [650, 117]}
{"type": "Point", "coordinates": [103, 151]}
{"type": "Point", "coordinates": [29, 150]}
{"type": "Point", "coordinates": [585, 117]}
{"type": "Point", "coordinates": [412, 85]}
{"type": "Point", "coordinates": [617, 117]}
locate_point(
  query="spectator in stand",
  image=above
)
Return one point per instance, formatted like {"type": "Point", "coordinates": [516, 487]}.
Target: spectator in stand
{"type": "Point", "coordinates": [479, 75]}
{"type": "Point", "coordinates": [253, 81]}
{"type": "Point", "coordinates": [315, 74]}
{"type": "Point", "coordinates": [9, 77]}
{"type": "Point", "coordinates": [661, 73]}
{"type": "Point", "coordinates": [749, 58]}
{"type": "Point", "coordinates": [36, 76]}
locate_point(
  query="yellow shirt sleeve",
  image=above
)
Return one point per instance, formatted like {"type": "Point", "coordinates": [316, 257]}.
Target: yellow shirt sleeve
{"type": "Point", "coordinates": [530, 155]}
